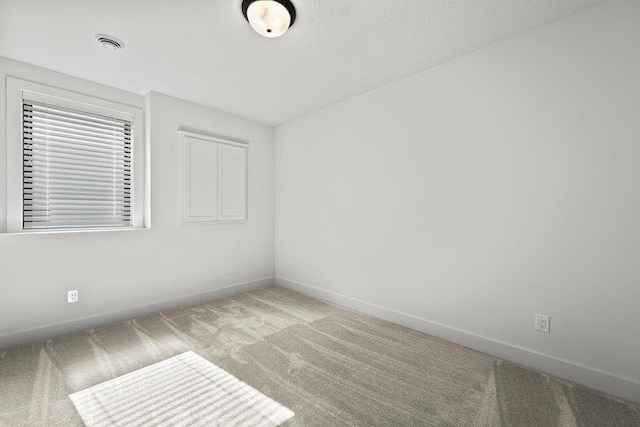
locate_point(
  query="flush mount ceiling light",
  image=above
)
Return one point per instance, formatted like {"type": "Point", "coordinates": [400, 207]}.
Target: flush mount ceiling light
{"type": "Point", "coordinates": [109, 42]}
{"type": "Point", "coordinates": [269, 18]}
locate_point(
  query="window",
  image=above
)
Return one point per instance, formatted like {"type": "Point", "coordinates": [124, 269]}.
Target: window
{"type": "Point", "coordinates": [74, 162]}
{"type": "Point", "coordinates": [76, 168]}
{"type": "Point", "coordinates": [214, 179]}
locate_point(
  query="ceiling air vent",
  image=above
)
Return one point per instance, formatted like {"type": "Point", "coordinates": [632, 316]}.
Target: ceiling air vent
{"type": "Point", "coordinates": [109, 42]}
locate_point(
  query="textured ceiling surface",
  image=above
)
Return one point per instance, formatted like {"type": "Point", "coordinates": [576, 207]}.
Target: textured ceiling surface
{"type": "Point", "coordinates": [204, 51]}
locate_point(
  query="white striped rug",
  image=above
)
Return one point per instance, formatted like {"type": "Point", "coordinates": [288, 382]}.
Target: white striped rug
{"type": "Point", "coordinates": [185, 390]}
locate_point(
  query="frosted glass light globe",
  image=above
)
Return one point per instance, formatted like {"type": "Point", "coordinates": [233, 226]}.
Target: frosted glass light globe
{"type": "Point", "coordinates": [268, 18]}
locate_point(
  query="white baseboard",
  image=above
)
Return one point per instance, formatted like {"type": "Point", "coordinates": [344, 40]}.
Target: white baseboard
{"type": "Point", "coordinates": [609, 383]}
{"type": "Point", "coordinates": [75, 325]}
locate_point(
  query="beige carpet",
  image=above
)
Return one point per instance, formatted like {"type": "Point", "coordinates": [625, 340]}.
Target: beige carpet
{"type": "Point", "coordinates": [330, 366]}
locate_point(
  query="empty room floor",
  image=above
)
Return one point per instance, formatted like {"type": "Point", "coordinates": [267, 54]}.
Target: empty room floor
{"type": "Point", "coordinates": [330, 366]}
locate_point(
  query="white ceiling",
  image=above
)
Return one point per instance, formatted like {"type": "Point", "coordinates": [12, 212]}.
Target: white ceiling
{"type": "Point", "coordinates": [204, 51]}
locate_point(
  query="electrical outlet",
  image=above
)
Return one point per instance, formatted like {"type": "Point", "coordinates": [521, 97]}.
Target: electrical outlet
{"type": "Point", "coordinates": [543, 323]}
{"type": "Point", "coordinates": [289, 264]}
{"type": "Point", "coordinates": [72, 296]}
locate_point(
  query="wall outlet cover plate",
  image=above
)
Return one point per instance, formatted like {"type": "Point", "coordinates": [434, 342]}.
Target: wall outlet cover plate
{"type": "Point", "coordinates": [543, 323]}
{"type": "Point", "coordinates": [72, 296]}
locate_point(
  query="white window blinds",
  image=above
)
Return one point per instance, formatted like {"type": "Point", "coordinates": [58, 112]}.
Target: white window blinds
{"type": "Point", "coordinates": [77, 168]}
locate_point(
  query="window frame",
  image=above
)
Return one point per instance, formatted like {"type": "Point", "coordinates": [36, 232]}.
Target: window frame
{"type": "Point", "coordinates": [17, 91]}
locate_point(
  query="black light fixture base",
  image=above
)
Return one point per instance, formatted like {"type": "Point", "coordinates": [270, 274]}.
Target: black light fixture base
{"type": "Point", "coordinates": [286, 3]}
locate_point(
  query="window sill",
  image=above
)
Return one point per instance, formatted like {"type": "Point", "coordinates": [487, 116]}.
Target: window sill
{"type": "Point", "coordinates": [212, 222]}
{"type": "Point", "coordinates": [74, 230]}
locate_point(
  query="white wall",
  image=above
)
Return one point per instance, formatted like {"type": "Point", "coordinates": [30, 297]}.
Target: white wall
{"type": "Point", "coordinates": [118, 272]}
{"type": "Point", "coordinates": [477, 193]}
